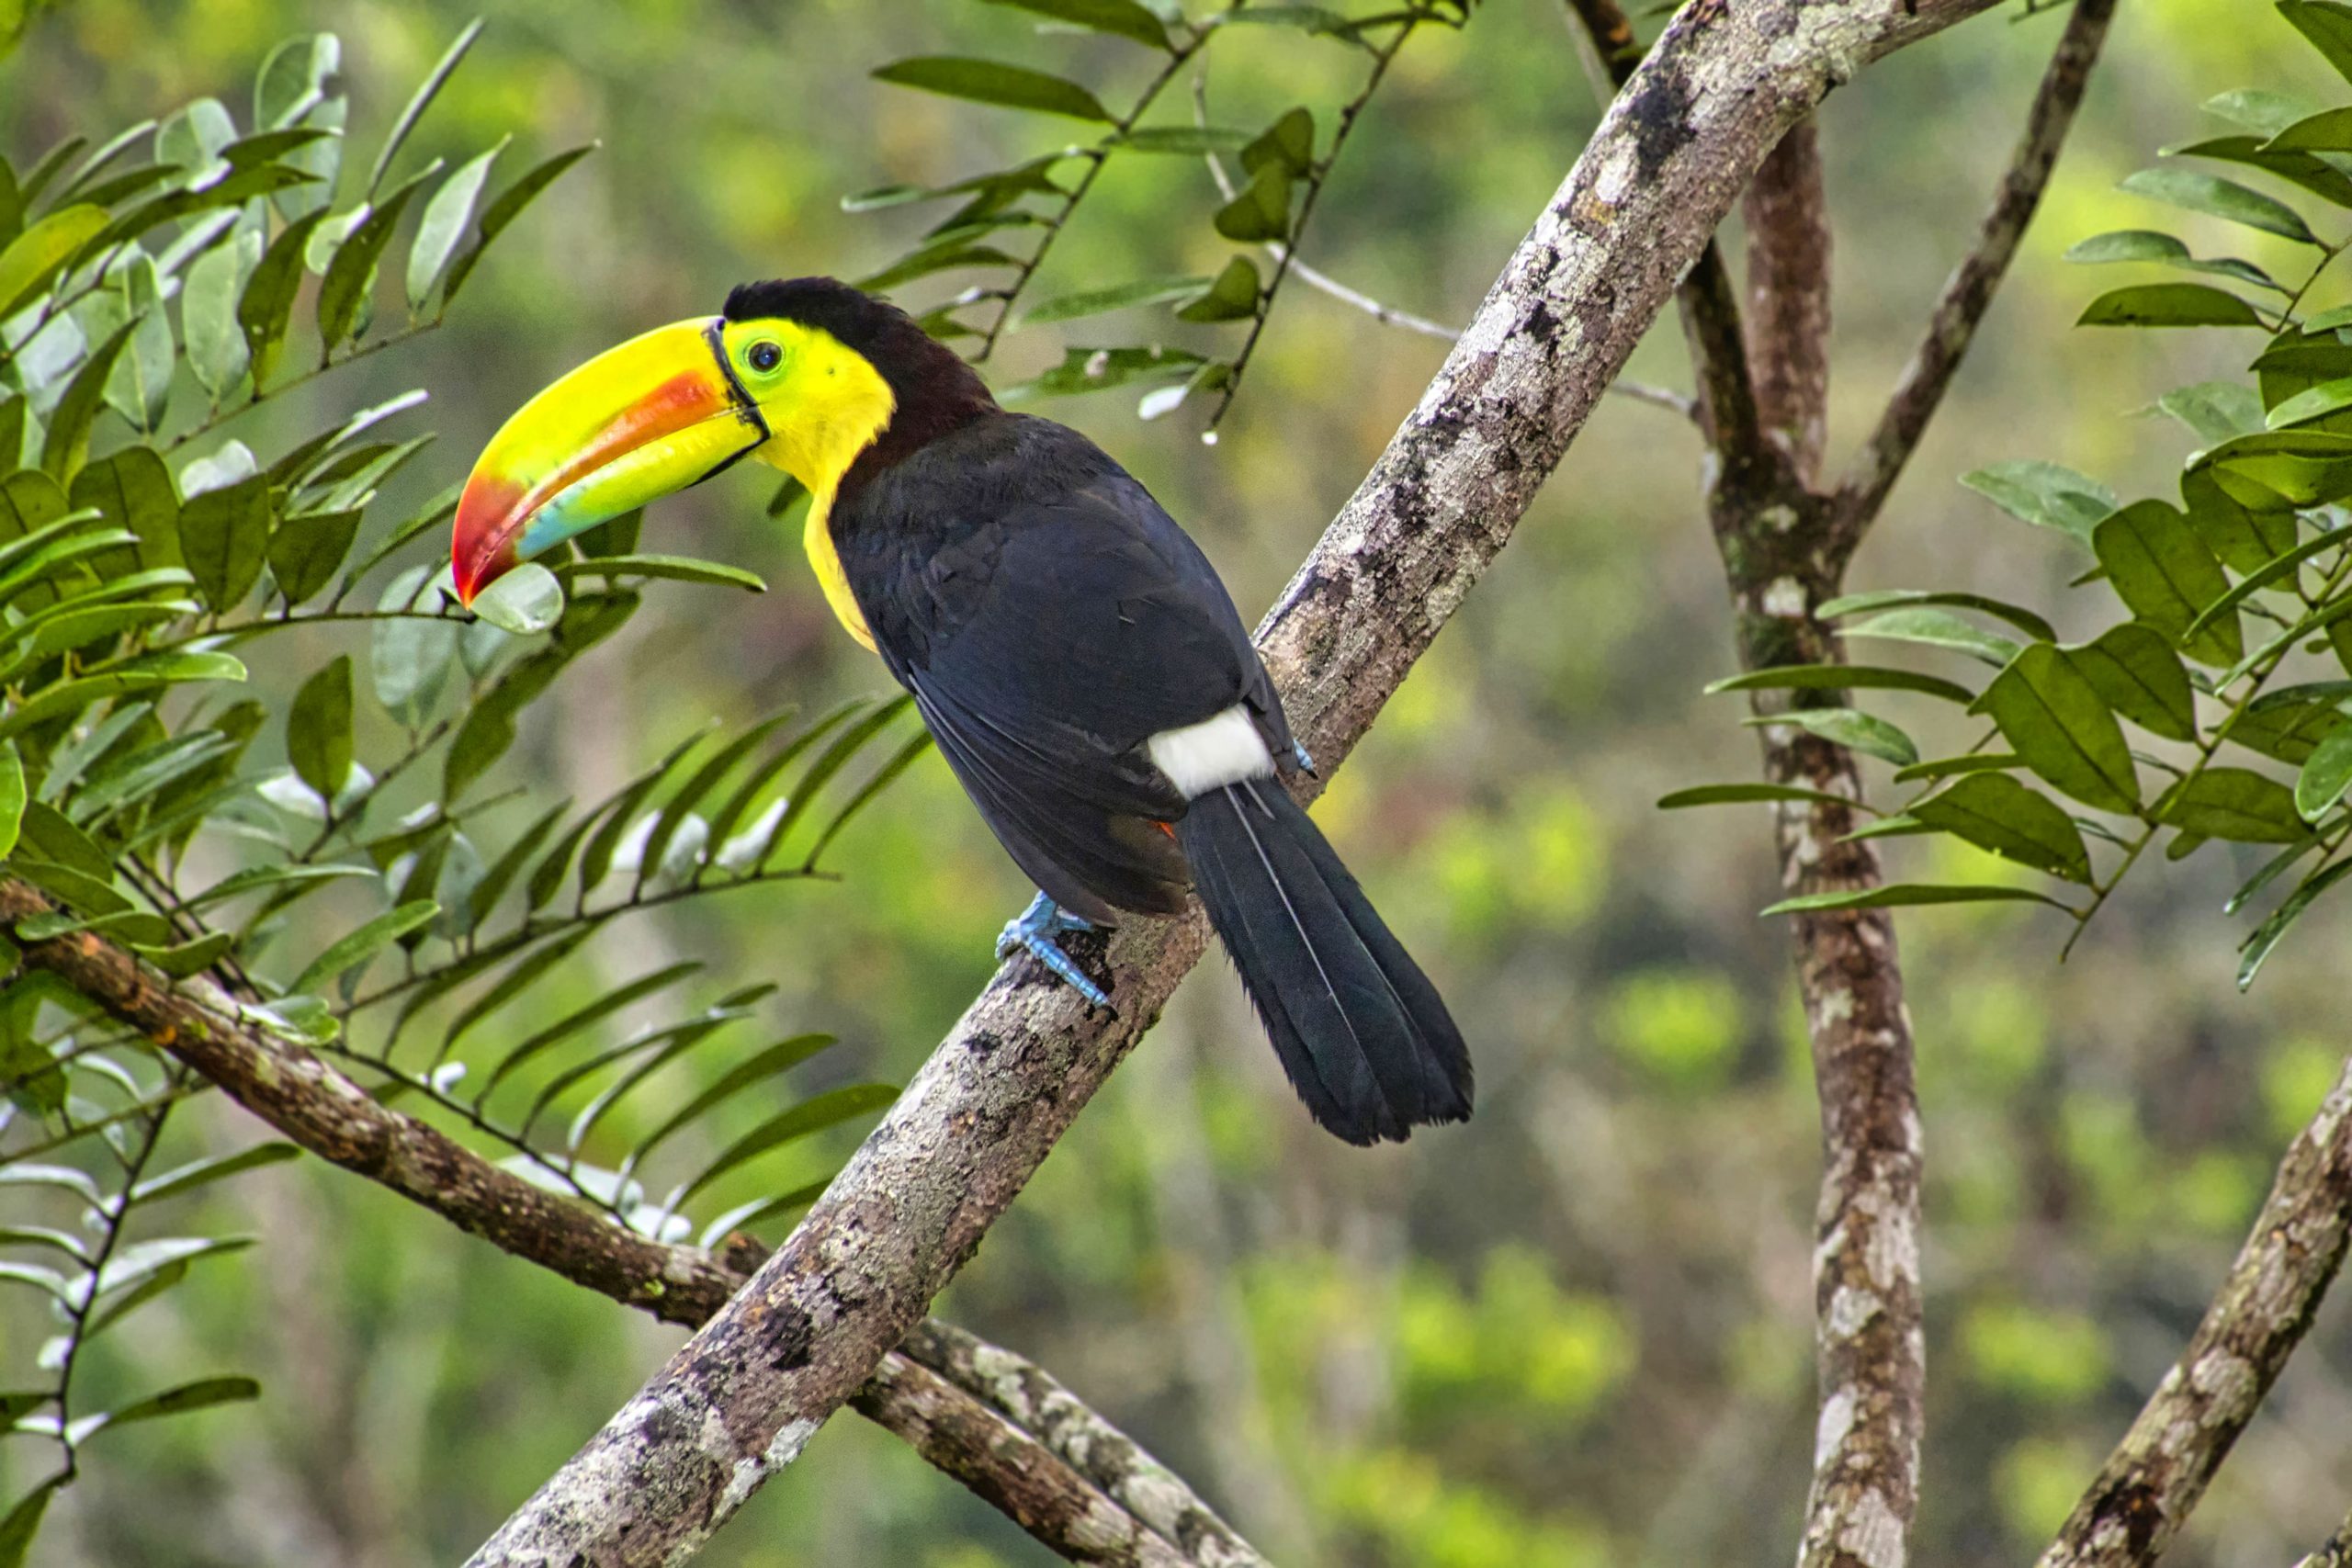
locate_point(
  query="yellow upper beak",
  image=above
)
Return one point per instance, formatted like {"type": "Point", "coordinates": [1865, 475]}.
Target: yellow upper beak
{"type": "Point", "coordinates": [658, 413]}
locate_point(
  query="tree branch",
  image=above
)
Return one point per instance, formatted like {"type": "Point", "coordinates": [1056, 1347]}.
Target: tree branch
{"type": "Point", "coordinates": [1787, 217]}
{"type": "Point", "coordinates": [2159, 1470]}
{"type": "Point", "coordinates": [1055, 1490]}
{"type": "Point", "coordinates": [1969, 292]}
{"type": "Point", "coordinates": [2337, 1550]}
{"type": "Point", "coordinates": [740, 1400]}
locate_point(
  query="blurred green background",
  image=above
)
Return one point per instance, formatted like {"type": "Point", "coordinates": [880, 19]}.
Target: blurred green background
{"type": "Point", "coordinates": [1575, 1332]}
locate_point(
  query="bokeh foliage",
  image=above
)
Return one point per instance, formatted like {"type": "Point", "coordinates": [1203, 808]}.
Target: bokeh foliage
{"type": "Point", "coordinates": [153, 289]}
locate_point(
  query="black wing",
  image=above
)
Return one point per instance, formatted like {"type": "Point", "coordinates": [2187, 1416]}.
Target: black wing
{"type": "Point", "coordinates": [1047, 635]}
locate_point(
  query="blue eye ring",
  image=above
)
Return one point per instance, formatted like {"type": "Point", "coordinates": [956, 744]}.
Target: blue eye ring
{"type": "Point", "coordinates": [764, 356]}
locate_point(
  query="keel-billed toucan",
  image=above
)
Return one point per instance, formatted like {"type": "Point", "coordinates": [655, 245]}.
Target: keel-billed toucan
{"type": "Point", "coordinates": [1074, 654]}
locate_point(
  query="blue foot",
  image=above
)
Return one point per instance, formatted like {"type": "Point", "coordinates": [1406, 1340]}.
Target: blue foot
{"type": "Point", "coordinates": [1036, 930]}
{"type": "Point", "coordinates": [1299, 750]}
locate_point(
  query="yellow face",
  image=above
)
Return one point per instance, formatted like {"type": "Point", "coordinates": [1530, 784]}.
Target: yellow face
{"type": "Point", "coordinates": [665, 411]}
{"type": "Point", "coordinates": [823, 401]}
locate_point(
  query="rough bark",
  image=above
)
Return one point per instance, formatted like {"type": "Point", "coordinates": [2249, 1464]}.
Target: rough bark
{"type": "Point", "coordinates": [2337, 1552]}
{"type": "Point", "coordinates": [1787, 217]}
{"type": "Point", "coordinates": [2159, 1470]}
{"type": "Point", "coordinates": [740, 1401]}
{"type": "Point", "coordinates": [1059, 1500]}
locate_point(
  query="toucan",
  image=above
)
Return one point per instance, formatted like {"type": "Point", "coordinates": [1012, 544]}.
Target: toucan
{"type": "Point", "coordinates": [1073, 653]}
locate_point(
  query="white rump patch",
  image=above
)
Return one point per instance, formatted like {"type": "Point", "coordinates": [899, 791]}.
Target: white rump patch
{"type": "Point", "coordinates": [1211, 754]}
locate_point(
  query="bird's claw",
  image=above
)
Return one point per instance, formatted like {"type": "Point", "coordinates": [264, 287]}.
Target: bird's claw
{"type": "Point", "coordinates": [1033, 932]}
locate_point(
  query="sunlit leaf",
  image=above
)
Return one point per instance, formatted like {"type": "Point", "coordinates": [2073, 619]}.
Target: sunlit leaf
{"type": "Point", "coordinates": [1840, 677]}
{"type": "Point", "coordinates": [989, 82]}
{"type": "Point", "coordinates": [2047, 494]}
{"type": "Point", "coordinates": [1857, 732]}
{"type": "Point", "coordinates": [1995, 812]}
{"type": "Point", "coordinates": [2063, 729]}
{"type": "Point", "coordinates": [1910, 894]}
{"type": "Point", "coordinates": [2235, 804]}
{"type": "Point", "coordinates": [1930, 627]}
{"type": "Point", "coordinates": [2266, 937]}
{"type": "Point", "coordinates": [506, 207]}
{"type": "Point", "coordinates": [2169, 305]}
{"type": "Point", "coordinates": [1745, 793]}
{"type": "Point", "coordinates": [444, 225]}
{"type": "Point", "coordinates": [1123, 18]}
{"type": "Point", "coordinates": [1118, 297]}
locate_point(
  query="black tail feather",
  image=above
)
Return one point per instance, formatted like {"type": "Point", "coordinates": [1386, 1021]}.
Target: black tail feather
{"type": "Point", "coordinates": [1362, 1032]}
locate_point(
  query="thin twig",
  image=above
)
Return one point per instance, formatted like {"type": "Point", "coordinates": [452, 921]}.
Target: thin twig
{"type": "Point", "coordinates": [334, 1119]}
{"type": "Point", "coordinates": [1314, 278]}
{"type": "Point", "coordinates": [1969, 292]}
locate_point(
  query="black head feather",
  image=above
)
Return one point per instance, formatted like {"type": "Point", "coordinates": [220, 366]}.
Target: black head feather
{"type": "Point", "coordinates": [935, 390]}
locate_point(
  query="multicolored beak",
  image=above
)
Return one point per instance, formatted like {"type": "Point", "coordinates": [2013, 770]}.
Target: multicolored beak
{"type": "Point", "coordinates": [658, 413]}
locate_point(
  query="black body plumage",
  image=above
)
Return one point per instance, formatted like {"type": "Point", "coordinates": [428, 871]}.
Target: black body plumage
{"type": "Point", "coordinates": [1050, 618]}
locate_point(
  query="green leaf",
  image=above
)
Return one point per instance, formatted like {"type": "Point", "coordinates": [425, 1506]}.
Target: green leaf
{"type": "Point", "coordinates": [318, 731]}
{"type": "Point", "coordinates": [444, 225]}
{"type": "Point", "coordinates": [34, 257]}
{"type": "Point", "coordinates": [1118, 296]}
{"type": "Point", "coordinates": [1122, 18]}
{"type": "Point", "coordinates": [351, 277]}
{"type": "Point", "coordinates": [2169, 579]}
{"type": "Point", "coordinates": [1288, 143]}
{"type": "Point", "coordinates": [930, 259]}
{"type": "Point", "coordinates": [187, 1178]}
{"type": "Point", "coordinates": [2063, 729]}
{"type": "Point", "coordinates": [189, 957]}
{"type": "Point", "coordinates": [2266, 936]}
{"type": "Point", "coordinates": [780, 1057]}
{"type": "Point", "coordinates": [421, 101]}
{"type": "Point", "coordinates": [265, 310]}
{"type": "Point", "coordinates": [253, 879]}
{"type": "Point", "coordinates": [2169, 305]}
{"type": "Point", "coordinates": [224, 538]}
{"type": "Point", "coordinates": [1099, 369]}
{"type": "Point", "coordinates": [2327, 397]}
{"type": "Point", "coordinates": [217, 351]}
{"type": "Point", "coordinates": [2136, 672]}
{"type": "Point", "coordinates": [1910, 894]}
{"type": "Point", "coordinates": [1185, 139]}
{"type": "Point", "coordinates": [1995, 812]}
{"type": "Point", "coordinates": [1952, 767]}
{"type": "Point", "coordinates": [2218, 197]}
{"type": "Point", "coordinates": [675, 569]}
{"type": "Point", "coordinates": [17, 1531]}
{"type": "Point", "coordinates": [1234, 297]}
{"type": "Point", "coordinates": [305, 550]}
{"type": "Point", "coordinates": [12, 797]}
{"type": "Point", "coordinates": [2259, 108]}
{"type": "Point", "coordinates": [1744, 794]}
{"type": "Point", "coordinates": [1936, 628]}
{"type": "Point", "coordinates": [409, 657]}
{"type": "Point", "coordinates": [2329, 28]}
{"type": "Point", "coordinates": [809, 1116]}
{"type": "Point", "coordinates": [2147, 246]}
{"type": "Point", "coordinates": [1261, 209]}
{"type": "Point", "coordinates": [200, 1395]}
{"type": "Point", "coordinates": [1857, 732]}
{"type": "Point", "coordinates": [504, 210]}
{"type": "Point", "coordinates": [140, 389]}
{"type": "Point", "coordinates": [2280, 570]}
{"type": "Point", "coordinates": [2326, 775]}
{"type": "Point", "coordinates": [2047, 495]}
{"type": "Point", "coordinates": [69, 426]}
{"type": "Point", "coordinates": [525, 601]}
{"type": "Point", "coordinates": [131, 489]}
{"type": "Point", "coordinates": [1842, 677]}
{"type": "Point", "coordinates": [2235, 804]}
{"type": "Point", "coordinates": [2215, 411]}
{"type": "Point", "coordinates": [988, 82]}
{"type": "Point", "coordinates": [2025, 620]}
{"type": "Point", "coordinates": [351, 951]}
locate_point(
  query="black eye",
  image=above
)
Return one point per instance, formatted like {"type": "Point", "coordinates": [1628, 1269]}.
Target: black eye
{"type": "Point", "coordinates": [764, 356]}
